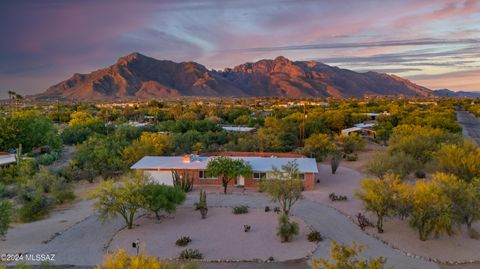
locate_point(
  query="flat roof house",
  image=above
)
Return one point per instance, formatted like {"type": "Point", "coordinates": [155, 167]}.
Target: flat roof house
{"type": "Point", "coordinates": [160, 169]}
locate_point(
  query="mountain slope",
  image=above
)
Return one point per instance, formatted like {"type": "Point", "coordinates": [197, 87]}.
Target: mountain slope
{"type": "Point", "coordinates": [447, 92]}
{"type": "Point", "coordinates": [139, 76]}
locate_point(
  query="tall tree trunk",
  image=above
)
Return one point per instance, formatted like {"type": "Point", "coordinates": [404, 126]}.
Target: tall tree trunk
{"type": "Point", "coordinates": [225, 184]}
{"type": "Point", "coordinates": [380, 224]}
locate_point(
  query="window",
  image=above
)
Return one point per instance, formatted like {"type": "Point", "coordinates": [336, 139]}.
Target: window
{"type": "Point", "coordinates": [205, 175]}
{"type": "Point", "coordinates": [301, 176]}
{"type": "Point", "coordinates": [258, 175]}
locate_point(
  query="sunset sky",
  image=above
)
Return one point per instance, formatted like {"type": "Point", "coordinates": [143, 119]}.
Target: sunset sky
{"type": "Point", "coordinates": [434, 43]}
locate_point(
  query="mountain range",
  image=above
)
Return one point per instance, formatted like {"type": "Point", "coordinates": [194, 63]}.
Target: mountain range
{"type": "Point", "coordinates": [449, 93]}
{"type": "Point", "coordinates": [139, 76]}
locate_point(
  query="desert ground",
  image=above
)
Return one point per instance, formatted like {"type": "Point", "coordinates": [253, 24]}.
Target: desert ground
{"type": "Point", "coordinates": [78, 237]}
{"type": "Point", "coordinates": [220, 236]}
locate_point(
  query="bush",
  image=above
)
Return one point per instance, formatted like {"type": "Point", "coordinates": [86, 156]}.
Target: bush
{"type": "Point", "coordinates": [352, 157]}
{"type": "Point", "coordinates": [314, 236]}
{"type": "Point", "coordinates": [240, 209]}
{"type": "Point", "coordinates": [188, 254]}
{"type": "Point", "coordinates": [120, 259]}
{"type": "Point", "coordinates": [183, 241]}
{"type": "Point", "coordinates": [64, 196]}
{"type": "Point", "coordinates": [286, 228]}
{"type": "Point", "coordinates": [34, 209]}
{"type": "Point", "coordinates": [5, 216]}
{"type": "Point", "coordinates": [47, 159]}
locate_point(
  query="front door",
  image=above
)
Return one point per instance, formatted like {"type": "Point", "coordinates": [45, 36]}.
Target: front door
{"type": "Point", "coordinates": [240, 181]}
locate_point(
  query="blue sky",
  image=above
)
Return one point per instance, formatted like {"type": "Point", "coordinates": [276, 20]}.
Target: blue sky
{"type": "Point", "coordinates": [434, 43]}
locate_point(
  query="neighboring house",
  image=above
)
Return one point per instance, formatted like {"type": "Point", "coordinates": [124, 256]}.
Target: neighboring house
{"type": "Point", "coordinates": [238, 128]}
{"type": "Point", "coordinates": [7, 158]}
{"type": "Point", "coordinates": [160, 168]}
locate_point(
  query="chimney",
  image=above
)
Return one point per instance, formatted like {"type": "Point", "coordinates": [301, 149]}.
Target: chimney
{"type": "Point", "coordinates": [186, 158]}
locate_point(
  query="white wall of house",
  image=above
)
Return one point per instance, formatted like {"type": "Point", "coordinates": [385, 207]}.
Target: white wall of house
{"type": "Point", "coordinates": [161, 177]}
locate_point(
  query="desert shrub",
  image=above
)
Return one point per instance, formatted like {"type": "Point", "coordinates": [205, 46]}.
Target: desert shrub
{"type": "Point", "coordinates": [47, 159]}
{"type": "Point", "coordinates": [314, 236]}
{"type": "Point", "coordinates": [34, 208]}
{"type": "Point", "coordinates": [183, 241]}
{"type": "Point", "coordinates": [286, 228]}
{"type": "Point", "coordinates": [241, 209]}
{"type": "Point", "coordinates": [350, 143]}
{"type": "Point", "coordinates": [63, 196]}
{"type": "Point", "coordinates": [344, 256]}
{"type": "Point", "coordinates": [352, 157]}
{"type": "Point", "coordinates": [188, 254]}
{"type": "Point", "coordinates": [121, 260]}
{"type": "Point", "coordinates": [398, 163]}
{"type": "Point", "coordinates": [5, 216]}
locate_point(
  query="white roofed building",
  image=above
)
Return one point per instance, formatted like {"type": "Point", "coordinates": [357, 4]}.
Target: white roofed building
{"type": "Point", "coordinates": [160, 168]}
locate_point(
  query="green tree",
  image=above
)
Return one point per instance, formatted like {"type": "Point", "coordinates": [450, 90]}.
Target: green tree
{"type": "Point", "coordinates": [147, 144]}
{"type": "Point", "coordinates": [345, 257]}
{"type": "Point", "coordinates": [6, 211]}
{"type": "Point", "coordinates": [81, 118]}
{"type": "Point", "coordinates": [123, 198]}
{"type": "Point", "coordinates": [380, 197]}
{"type": "Point", "coordinates": [319, 146]}
{"type": "Point", "coordinates": [101, 155]}
{"type": "Point", "coordinates": [420, 142]}
{"type": "Point", "coordinates": [350, 143]}
{"type": "Point", "coordinates": [384, 163]}
{"type": "Point", "coordinates": [29, 129]}
{"type": "Point", "coordinates": [286, 187]}
{"type": "Point", "coordinates": [228, 169]}
{"type": "Point", "coordinates": [464, 196]}
{"type": "Point", "coordinates": [461, 160]}
{"type": "Point", "coordinates": [431, 210]}
{"type": "Point", "coordinates": [162, 197]}
{"type": "Point", "coordinates": [277, 135]}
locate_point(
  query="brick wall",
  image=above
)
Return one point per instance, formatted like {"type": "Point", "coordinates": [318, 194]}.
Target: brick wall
{"type": "Point", "coordinates": [309, 179]}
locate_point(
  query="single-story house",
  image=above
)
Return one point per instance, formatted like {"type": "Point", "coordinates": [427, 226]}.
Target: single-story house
{"type": "Point", "coordinates": [160, 169]}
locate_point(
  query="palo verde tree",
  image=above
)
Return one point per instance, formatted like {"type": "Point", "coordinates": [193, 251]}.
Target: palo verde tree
{"type": "Point", "coordinates": [147, 144]}
{"type": "Point", "coordinates": [228, 169]}
{"type": "Point", "coordinates": [462, 160]}
{"type": "Point", "coordinates": [160, 197]}
{"type": "Point", "coordinates": [286, 187]}
{"type": "Point", "coordinates": [465, 197]}
{"type": "Point", "coordinates": [431, 210]}
{"type": "Point", "coordinates": [122, 198]}
{"type": "Point", "coordinates": [380, 197]}
{"type": "Point", "coordinates": [343, 257]}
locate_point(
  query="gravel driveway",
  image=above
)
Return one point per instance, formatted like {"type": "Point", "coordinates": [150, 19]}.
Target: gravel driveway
{"type": "Point", "coordinates": [470, 124]}
{"type": "Point", "coordinates": [84, 243]}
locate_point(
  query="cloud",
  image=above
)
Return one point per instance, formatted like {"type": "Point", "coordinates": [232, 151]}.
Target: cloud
{"type": "Point", "coordinates": [386, 43]}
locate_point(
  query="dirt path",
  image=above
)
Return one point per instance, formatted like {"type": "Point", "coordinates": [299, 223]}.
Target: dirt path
{"type": "Point", "coordinates": [25, 237]}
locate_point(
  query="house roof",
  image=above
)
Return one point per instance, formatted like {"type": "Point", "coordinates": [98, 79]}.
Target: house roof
{"type": "Point", "coordinates": [237, 128]}
{"type": "Point", "coordinates": [259, 164]}
{"type": "Point", "coordinates": [352, 129]}
{"type": "Point", "coordinates": [364, 125]}
{"type": "Point", "coordinates": [7, 158]}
